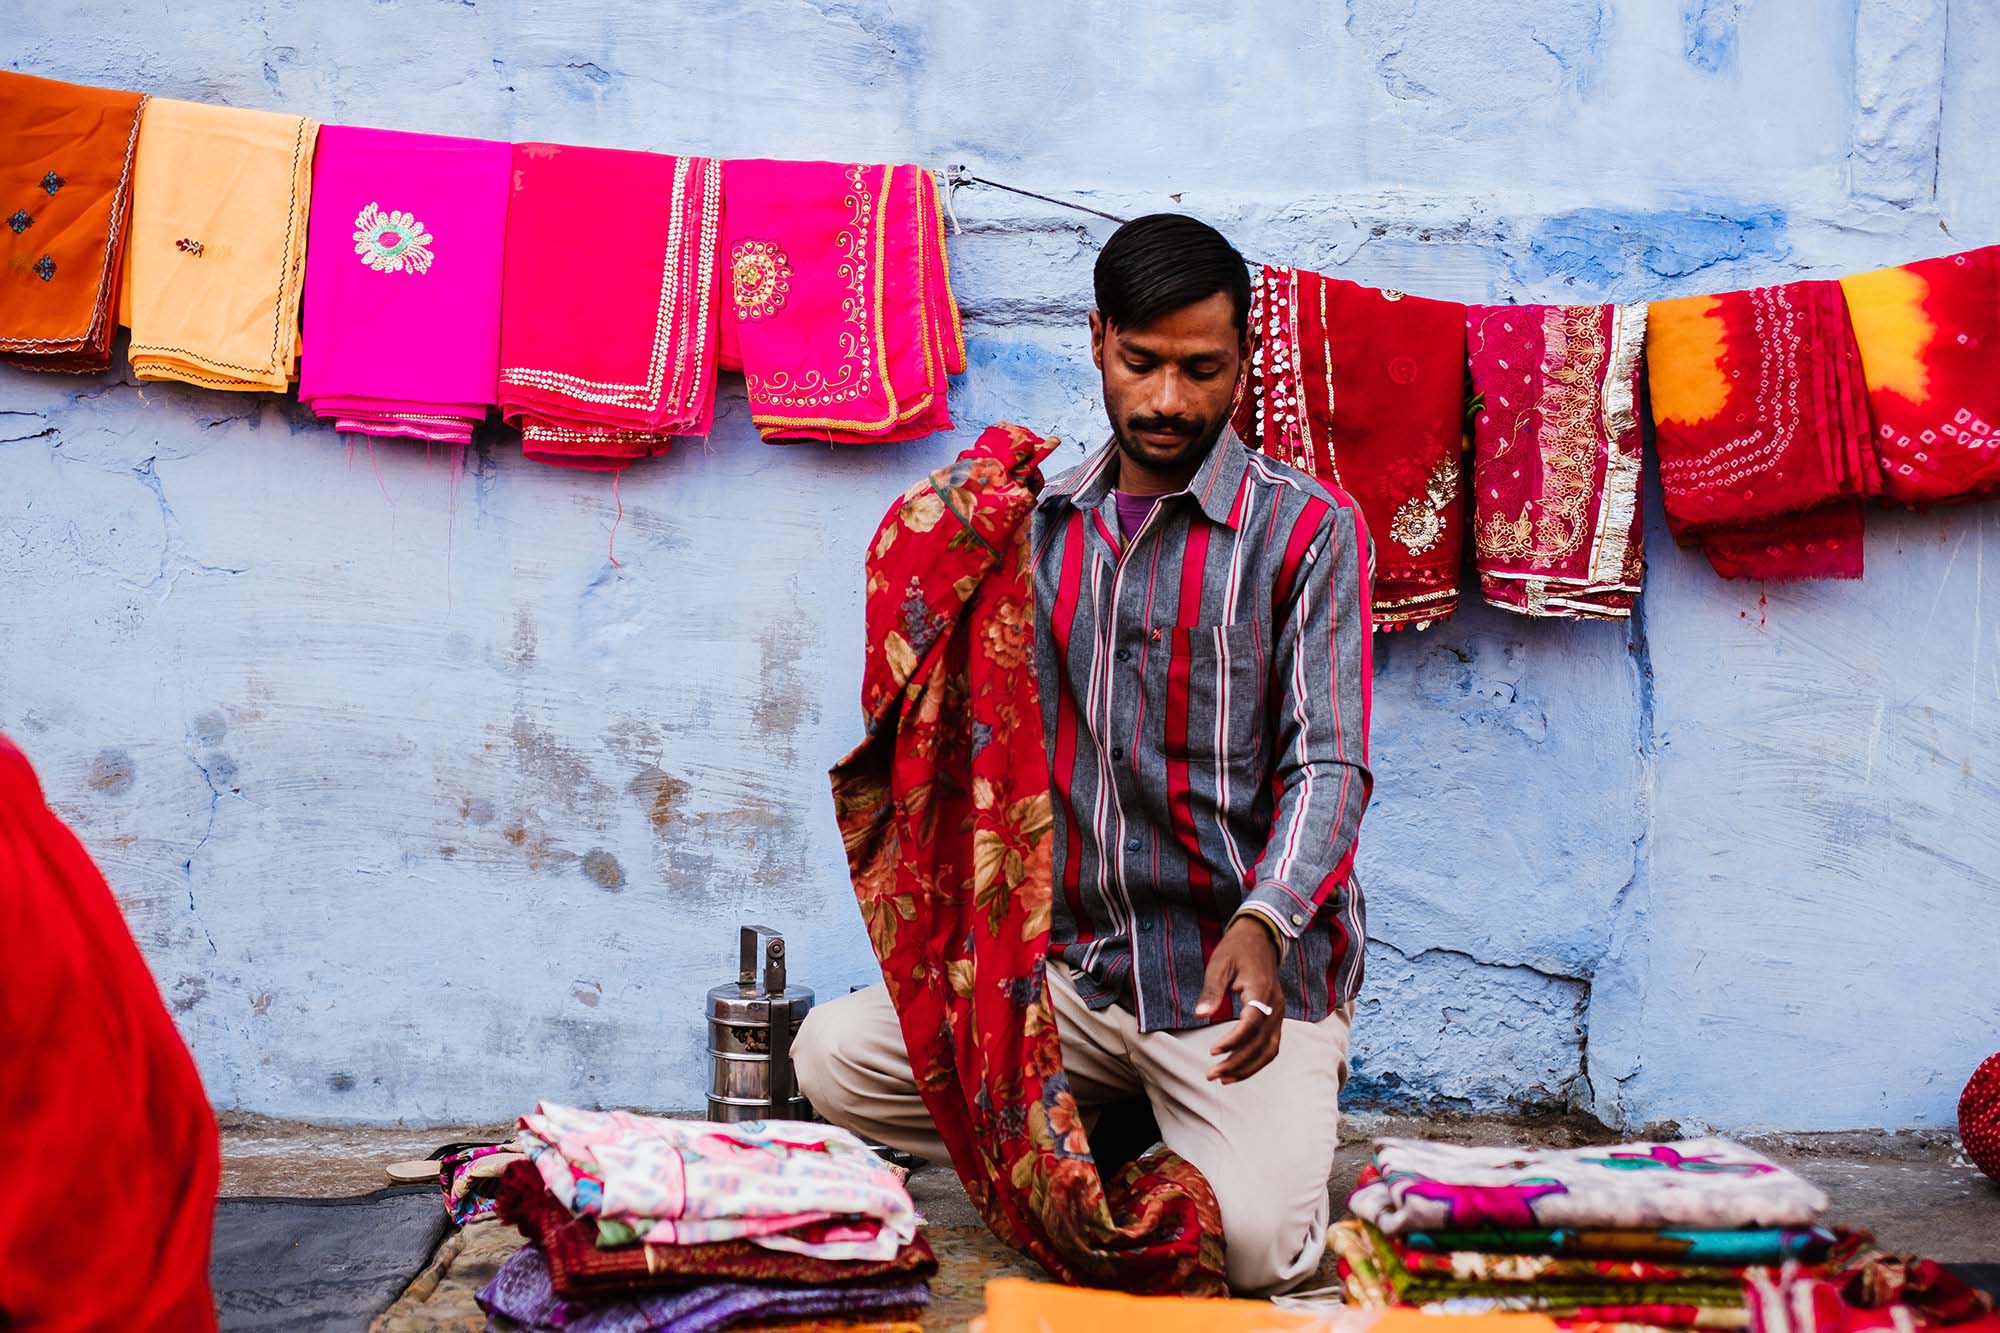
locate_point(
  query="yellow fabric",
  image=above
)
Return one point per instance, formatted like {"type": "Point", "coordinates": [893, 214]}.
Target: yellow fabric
{"type": "Point", "coordinates": [1016, 1305]}
{"type": "Point", "coordinates": [1892, 330]}
{"type": "Point", "coordinates": [1684, 354]}
{"type": "Point", "coordinates": [216, 258]}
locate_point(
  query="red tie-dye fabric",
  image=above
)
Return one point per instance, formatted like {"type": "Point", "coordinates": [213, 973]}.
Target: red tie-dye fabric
{"type": "Point", "coordinates": [1761, 429]}
{"type": "Point", "coordinates": [1930, 348]}
{"type": "Point", "coordinates": [944, 809]}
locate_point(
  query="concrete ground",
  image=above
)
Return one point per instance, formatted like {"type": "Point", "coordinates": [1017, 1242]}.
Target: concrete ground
{"type": "Point", "coordinates": [1914, 1191]}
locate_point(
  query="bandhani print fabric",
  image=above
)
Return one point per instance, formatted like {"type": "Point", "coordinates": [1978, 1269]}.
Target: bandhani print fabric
{"type": "Point", "coordinates": [402, 317]}
{"type": "Point", "coordinates": [840, 311]}
{"type": "Point", "coordinates": [66, 157]}
{"type": "Point", "coordinates": [1365, 390]}
{"type": "Point", "coordinates": [1761, 429]}
{"type": "Point", "coordinates": [218, 251]}
{"type": "Point", "coordinates": [785, 1185]}
{"type": "Point", "coordinates": [1416, 1185]}
{"type": "Point", "coordinates": [1556, 457]}
{"type": "Point", "coordinates": [608, 331]}
{"type": "Point", "coordinates": [1930, 349]}
{"type": "Point", "coordinates": [944, 810]}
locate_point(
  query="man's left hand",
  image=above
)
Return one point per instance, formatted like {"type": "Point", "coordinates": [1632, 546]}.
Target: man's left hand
{"type": "Point", "coordinates": [1244, 962]}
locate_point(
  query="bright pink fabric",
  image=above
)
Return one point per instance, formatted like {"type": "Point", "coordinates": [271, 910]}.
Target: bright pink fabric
{"type": "Point", "coordinates": [839, 308]}
{"type": "Point", "coordinates": [608, 331]}
{"type": "Point", "coordinates": [406, 344]}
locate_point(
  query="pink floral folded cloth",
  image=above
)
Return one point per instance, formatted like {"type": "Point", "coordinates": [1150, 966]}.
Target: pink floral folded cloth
{"type": "Point", "coordinates": [403, 260]}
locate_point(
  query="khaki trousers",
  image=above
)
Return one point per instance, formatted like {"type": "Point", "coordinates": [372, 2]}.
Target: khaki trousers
{"type": "Point", "coordinates": [1265, 1144]}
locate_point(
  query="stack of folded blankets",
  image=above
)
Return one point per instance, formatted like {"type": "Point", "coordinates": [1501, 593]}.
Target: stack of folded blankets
{"type": "Point", "coordinates": [1653, 1234]}
{"type": "Point", "coordinates": [643, 1225]}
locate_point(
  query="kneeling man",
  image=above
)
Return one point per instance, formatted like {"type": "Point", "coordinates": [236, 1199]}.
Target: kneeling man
{"type": "Point", "coordinates": [1202, 648]}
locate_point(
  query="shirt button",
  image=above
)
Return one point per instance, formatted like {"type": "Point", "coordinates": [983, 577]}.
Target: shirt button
{"type": "Point", "coordinates": [1123, 654]}
{"type": "Point", "coordinates": [1131, 844]}
{"type": "Point", "coordinates": [1298, 919]}
{"type": "Point", "coordinates": [1146, 925]}
{"type": "Point", "coordinates": [1117, 752]}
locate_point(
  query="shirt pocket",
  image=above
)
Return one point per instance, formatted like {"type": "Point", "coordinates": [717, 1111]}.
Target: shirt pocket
{"type": "Point", "coordinates": [1213, 694]}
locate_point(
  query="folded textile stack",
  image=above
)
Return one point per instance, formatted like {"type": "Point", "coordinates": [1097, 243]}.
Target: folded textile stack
{"type": "Point", "coordinates": [840, 312]}
{"type": "Point", "coordinates": [1652, 1234]}
{"type": "Point", "coordinates": [607, 334]}
{"type": "Point", "coordinates": [637, 1225]}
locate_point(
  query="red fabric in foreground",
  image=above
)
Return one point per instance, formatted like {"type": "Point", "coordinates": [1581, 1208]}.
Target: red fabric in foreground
{"type": "Point", "coordinates": [945, 813]}
{"type": "Point", "coordinates": [110, 1196]}
{"type": "Point", "coordinates": [1761, 429]}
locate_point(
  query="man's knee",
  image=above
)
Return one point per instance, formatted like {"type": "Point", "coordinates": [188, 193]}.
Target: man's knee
{"type": "Point", "coordinates": [830, 1056]}
{"type": "Point", "coordinates": [1269, 1248]}
{"type": "Point", "coordinates": [815, 1048]}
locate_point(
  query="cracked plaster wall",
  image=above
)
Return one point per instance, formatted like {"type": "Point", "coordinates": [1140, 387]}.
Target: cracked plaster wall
{"type": "Point", "coordinates": [421, 809]}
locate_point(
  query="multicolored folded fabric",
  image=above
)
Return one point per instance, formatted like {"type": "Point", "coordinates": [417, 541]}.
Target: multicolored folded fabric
{"type": "Point", "coordinates": [471, 1180]}
{"type": "Point", "coordinates": [608, 333]}
{"type": "Point", "coordinates": [840, 310]}
{"type": "Point", "coordinates": [1374, 1276]}
{"type": "Point", "coordinates": [1761, 429]}
{"type": "Point", "coordinates": [1556, 457]}
{"type": "Point", "coordinates": [953, 774]}
{"type": "Point", "coordinates": [1930, 349]}
{"type": "Point", "coordinates": [217, 256]}
{"type": "Point", "coordinates": [785, 1185]}
{"type": "Point", "coordinates": [1755, 1245]}
{"type": "Point", "coordinates": [1884, 1291]}
{"type": "Point", "coordinates": [1416, 1185]}
{"type": "Point", "coordinates": [65, 187]}
{"type": "Point", "coordinates": [402, 317]}
{"type": "Point", "coordinates": [580, 1269]}
{"type": "Point", "coordinates": [521, 1291]}
{"type": "Point", "coordinates": [1365, 389]}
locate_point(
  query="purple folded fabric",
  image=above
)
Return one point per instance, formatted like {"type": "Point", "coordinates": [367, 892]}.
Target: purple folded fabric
{"type": "Point", "coordinates": [522, 1292]}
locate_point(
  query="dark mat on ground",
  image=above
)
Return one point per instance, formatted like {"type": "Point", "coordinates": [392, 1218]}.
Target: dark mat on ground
{"type": "Point", "coordinates": [321, 1265]}
{"type": "Point", "coordinates": [1986, 1277]}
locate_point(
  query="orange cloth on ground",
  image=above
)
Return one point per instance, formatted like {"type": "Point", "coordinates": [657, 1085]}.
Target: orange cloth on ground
{"type": "Point", "coordinates": [218, 249]}
{"type": "Point", "coordinates": [110, 1197]}
{"type": "Point", "coordinates": [65, 183]}
{"type": "Point", "coordinates": [1017, 1305]}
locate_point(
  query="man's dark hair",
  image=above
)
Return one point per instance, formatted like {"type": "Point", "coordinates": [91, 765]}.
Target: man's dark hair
{"type": "Point", "coordinates": [1164, 261]}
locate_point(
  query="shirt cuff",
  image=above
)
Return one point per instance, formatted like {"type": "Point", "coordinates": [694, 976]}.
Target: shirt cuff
{"type": "Point", "coordinates": [1271, 923]}
{"type": "Point", "coordinates": [1284, 907]}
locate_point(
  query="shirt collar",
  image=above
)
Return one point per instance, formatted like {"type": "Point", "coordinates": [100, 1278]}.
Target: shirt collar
{"type": "Point", "coordinates": [1214, 487]}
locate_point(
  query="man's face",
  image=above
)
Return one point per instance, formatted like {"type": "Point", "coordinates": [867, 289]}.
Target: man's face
{"type": "Point", "coordinates": [1168, 384]}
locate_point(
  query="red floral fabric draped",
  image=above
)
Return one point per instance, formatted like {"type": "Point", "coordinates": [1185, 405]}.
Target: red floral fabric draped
{"type": "Point", "coordinates": [1930, 350]}
{"type": "Point", "coordinates": [1556, 457]}
{"type": "Point", "coordinates": [1761, 427]}
{"type": "Point", "coordinates": [944, 809]}
{"type": "Point", "coordinates": [1365, 389]}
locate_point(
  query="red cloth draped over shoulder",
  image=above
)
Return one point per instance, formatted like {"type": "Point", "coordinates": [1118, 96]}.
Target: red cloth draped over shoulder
{"type": "Point", "coordinates": [944, 810]}
{"type": "Point", "coordinates": [1761, 429]}
{"type": "Point", "coordinates": [110, 1195]}
{"type": "Point", "coordinates": [1365, 389]}
{"type": "Point", "coordinates": [1930, 350]}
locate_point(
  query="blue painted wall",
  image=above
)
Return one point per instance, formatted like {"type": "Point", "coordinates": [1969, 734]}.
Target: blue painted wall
{"type": "Point", "coordinates": [422, 809]}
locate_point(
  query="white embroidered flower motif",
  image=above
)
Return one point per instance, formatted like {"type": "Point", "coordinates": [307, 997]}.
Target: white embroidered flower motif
{"type": "Point", "coordinates": [393, 242]}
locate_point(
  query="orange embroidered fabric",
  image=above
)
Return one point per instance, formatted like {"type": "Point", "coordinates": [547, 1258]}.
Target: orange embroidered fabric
{"type": "Point", "coordinates": [839, 312]}
{"type": "Point", "coordinates": [65, 192]}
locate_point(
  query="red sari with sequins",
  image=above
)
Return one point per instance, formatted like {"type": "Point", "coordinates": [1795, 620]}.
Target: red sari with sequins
{"type": "Point", "coordinates": [608, 334]}
{"type": "Point", "coordinates": [1556, 457]}
{"type": "Point", "coordinates": [945, 813]}
{"type": "Point", "coordinates": [1761, 429]}
{"type": "Point", "coordinates": [1365, 389]}
{"type": "Point", "coordinates": [1930, 350]}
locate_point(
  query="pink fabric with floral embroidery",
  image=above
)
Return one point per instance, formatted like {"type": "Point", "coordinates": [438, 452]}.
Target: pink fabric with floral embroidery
{"type": "Point", "coordinates": [838, 304]}
{"type": "Point", "coordinates": [403, 256]}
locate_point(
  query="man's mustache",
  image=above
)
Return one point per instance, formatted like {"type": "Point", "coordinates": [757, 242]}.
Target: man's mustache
{"type": "Point", "coordinates": [1163, 426]}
